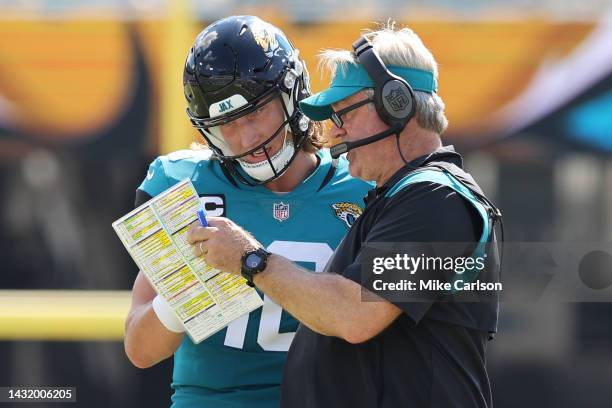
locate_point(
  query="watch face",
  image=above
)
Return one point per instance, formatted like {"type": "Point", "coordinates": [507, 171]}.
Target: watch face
{"type": "Point", "coordinates": [253, 260]}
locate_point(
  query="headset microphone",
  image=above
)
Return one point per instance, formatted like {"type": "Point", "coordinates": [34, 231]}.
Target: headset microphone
{"type": "Point", "coordinates": [342, 148]}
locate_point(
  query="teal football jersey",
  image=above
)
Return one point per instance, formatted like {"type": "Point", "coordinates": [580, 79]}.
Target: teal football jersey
{"type": "Point", "coordinates": [241, 366]}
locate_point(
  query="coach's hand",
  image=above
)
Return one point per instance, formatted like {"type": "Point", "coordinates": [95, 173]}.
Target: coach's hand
{"type": "Point", "coordinates": [222, 243]}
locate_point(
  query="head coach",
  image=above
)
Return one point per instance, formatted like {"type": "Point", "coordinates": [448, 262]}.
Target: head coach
{"type": "Point", "coordinates": [349, 352]}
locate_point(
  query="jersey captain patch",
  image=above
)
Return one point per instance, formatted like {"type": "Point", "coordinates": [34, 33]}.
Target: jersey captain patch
{"type": "Point", "coordinates": [347, 212]}
{"type": "Point", "coordinates": [214, 204]}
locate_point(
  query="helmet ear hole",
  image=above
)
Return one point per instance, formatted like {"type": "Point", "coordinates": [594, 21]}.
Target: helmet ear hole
{"type": "Point", "coordinates": [290, 79]}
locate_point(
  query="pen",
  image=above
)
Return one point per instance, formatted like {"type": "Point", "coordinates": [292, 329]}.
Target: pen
{"type": "Point", "coordinates": [202, 218]}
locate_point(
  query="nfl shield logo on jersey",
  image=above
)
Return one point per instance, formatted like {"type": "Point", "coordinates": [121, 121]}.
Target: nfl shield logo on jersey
{"type": "Point", "coordinates": [280, 211]}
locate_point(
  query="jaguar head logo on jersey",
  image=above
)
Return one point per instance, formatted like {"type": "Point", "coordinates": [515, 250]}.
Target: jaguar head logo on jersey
{"type": "Point", "coordinates": [280, 211]}
{"type": "Point", "coordinates": [347, 212]}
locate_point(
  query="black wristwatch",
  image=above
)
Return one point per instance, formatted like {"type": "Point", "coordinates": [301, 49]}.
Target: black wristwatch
{"type": "Point", "coordinates": [253, 262]}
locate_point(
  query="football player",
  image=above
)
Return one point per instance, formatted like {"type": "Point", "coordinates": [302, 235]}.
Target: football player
{"type": "Point", "coordinates": [264, 168]}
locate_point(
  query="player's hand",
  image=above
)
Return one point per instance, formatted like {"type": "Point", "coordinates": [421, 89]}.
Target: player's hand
{"type": "Point", "coordinates": [222, 243]}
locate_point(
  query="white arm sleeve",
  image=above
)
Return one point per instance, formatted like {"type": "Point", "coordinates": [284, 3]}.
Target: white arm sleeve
{"type": "Point", "coordinates": [166, 315]}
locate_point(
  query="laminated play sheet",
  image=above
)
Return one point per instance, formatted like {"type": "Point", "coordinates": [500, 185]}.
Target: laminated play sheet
{"type": "Point", "coordinates": [204, 299]}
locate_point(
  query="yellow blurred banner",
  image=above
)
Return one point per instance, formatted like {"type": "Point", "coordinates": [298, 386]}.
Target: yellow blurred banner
{"type": "Point", "coordinates": [62, 314]}
{"type": "Point", "coordinates": [175, 127]}
{"type": "Point", "coordinates": [483, 66]}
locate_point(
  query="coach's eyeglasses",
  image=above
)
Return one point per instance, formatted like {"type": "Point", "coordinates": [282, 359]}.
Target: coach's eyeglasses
{"type": "Point", "coordinates": [336, 117]}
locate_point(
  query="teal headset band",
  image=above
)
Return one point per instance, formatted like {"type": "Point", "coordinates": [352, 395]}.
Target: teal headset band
{"type": "Point", "coordinates": [355, 75]}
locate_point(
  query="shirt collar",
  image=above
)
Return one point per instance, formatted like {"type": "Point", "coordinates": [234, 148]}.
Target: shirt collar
{"type": "Point", "coordinates": [445, 153]}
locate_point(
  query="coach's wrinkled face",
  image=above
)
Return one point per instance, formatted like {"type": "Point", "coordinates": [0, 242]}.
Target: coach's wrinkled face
{"type": "Point", "coordinates": [359, 123]}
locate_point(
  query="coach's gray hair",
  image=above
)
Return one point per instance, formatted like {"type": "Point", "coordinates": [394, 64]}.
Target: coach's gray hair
{"type": "Point", "coordinates": [401, 47]}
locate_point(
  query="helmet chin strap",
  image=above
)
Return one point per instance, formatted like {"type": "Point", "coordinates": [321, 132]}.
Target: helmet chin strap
{"type": "Point", "coordinates": [266, 169]}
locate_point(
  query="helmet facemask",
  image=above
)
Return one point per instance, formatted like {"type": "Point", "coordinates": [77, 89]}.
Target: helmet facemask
{"type": "Point", "coordinates": [293, 130]}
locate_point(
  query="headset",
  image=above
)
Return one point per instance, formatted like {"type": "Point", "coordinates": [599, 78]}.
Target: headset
{"type": "Point", "coordinates": [393, 97]}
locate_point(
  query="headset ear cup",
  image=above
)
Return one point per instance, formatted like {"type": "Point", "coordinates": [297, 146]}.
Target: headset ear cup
{"type": "Point", "coordinates": [393, 96]}
{"type": "Point", "coordinates": [397, 102]}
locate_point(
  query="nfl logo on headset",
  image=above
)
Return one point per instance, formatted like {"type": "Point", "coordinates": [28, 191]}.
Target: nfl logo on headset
{"type": "Point", "coordinates": [280, 211]}
{"type": "Point", "coordinates": [397, 99]}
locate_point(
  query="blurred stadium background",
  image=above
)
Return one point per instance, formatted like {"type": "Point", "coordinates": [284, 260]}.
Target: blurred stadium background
{"type": "Point", "coordinates": [90, 92]}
